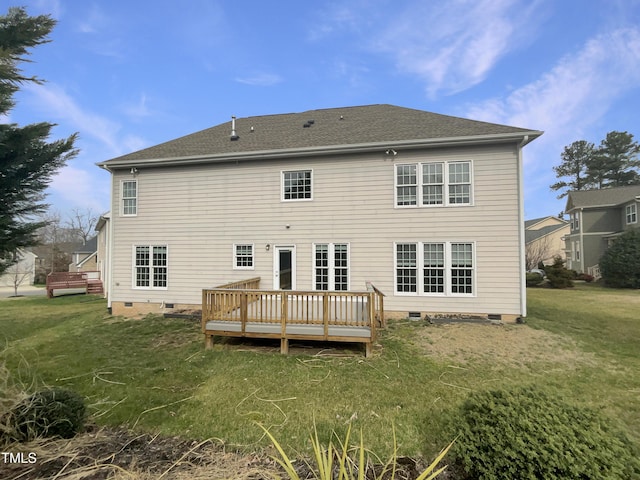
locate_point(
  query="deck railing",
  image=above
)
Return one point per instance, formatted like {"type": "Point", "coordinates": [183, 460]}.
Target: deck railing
{"type": "Point", "coordinates": [72, 280]}
{"type": "Point", "coordinates": [281, 312]}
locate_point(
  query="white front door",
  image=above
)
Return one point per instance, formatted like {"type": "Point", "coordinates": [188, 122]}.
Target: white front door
{"type": "Point", "coordinates": [284, 267]}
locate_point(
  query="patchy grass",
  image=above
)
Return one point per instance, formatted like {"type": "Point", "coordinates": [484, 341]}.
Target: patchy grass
{"type": "Point", "coordinates": [153, 375]}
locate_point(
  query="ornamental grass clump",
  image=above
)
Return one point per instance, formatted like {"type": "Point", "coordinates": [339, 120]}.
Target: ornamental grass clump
{"type": "Point", "coordinates": [344, 462]}
{"type": "Point", "coordinates": [526, 433]}
{"type": "Point", "coordinates": [53, 412]}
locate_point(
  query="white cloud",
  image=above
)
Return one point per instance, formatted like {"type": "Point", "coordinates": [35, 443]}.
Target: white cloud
{"type": "Point", "coordinates": [79, 188]}
{"type": "Point", "coordinates": [454, 45]}
{"type": "Point", "coordinates": [261, 79]}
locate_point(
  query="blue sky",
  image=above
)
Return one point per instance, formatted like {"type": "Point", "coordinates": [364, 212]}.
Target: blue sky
{"type": "Point", "coordinates": [130, 74]}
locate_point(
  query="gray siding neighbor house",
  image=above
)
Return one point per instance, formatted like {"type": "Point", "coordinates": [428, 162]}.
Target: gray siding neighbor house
{"type": "Point", "coordinates": [597, 218]}
{"type": "Point", "coordinates": [426, 207]}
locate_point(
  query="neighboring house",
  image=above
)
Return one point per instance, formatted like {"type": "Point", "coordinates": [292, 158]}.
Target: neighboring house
{"type": "Point", "coordinates": [544, 240]}
{"type": "Point", "coordinates": [22, 272]}
{"type": "Point", "coordinates": [597, 218]}
{"type": "Point", "coordinates": [427, 207]}
{"type": "Point", "coordinates": [84, 257]}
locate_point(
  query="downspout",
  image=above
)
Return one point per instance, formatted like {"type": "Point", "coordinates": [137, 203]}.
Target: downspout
{"type": "Point", "coordinates": [521, 238]}
{"type": "Point", "coordinates": [109, 242]}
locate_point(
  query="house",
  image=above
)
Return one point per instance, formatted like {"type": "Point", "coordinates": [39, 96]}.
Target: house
{"type": "Point", "coordinates": [84, 257]}
{"type": "Point", "coordinates": [426, 207]}
{"type": "Point", "coordinates": [22, 272]}
{"type": "Point", "coordinates": [544, 239]}
{"type": "Point", "coordinates": [597, 218]}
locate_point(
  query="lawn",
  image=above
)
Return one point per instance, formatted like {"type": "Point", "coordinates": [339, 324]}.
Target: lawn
{"type": "Point", "coordinates": [153, 375]}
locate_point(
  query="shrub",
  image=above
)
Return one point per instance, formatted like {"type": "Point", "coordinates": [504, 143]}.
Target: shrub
{"type": "Point", "coordinates": [49, 413]}
{"type": "Point", "coordinates": [620, 264]}
{"type": "Point", "coordinates": [526, 433]}
{"type": "Point", "coordinates": [558, 275]}
{"type": "Point", "coordinates": [534, 279]}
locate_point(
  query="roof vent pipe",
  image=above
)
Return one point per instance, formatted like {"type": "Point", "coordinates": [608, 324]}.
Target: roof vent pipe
{"type": "Point", "coordinates": [234, 135]}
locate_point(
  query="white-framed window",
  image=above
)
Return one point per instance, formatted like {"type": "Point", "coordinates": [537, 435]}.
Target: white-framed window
{"type": "Point", "coordinates": [433, 184]}
{"type": "Point", "coordinates": [331, 266]}
{"type": "Point", "coordinates": [129, 197]}
{"type": "Point", "coordinates": [631, 213]}
{"type": "Point", "coordinates": [297, 185]}
{"type": "Point", "coordinates": [575, 221]}
{"type": "Point", "coordinates": [435, 268]}
{"type": "Point", "coordinates": [243, 256]}
{"type": "Point", "coordinates": [150, 266]}
{"type": "Point", "coordinates": [576, 247]}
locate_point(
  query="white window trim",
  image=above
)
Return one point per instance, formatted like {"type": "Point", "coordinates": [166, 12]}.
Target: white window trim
{"type": "Point", "coordinates": [122, 198]}
{"type": "Point", "coordinates": [235, 256]}
{"type": "Point", "coordinates": [631, 211]}
{"type": "Point", "coordinates": [447, 270]}
{"type": "Point", "coordinates": [133, 266]}
{"type": "Point", "coordinates": [282, 199]}
{"type": "Point", "coordinates": [445, 185]}
{"type": "Point", "coordinates": [332, 266]}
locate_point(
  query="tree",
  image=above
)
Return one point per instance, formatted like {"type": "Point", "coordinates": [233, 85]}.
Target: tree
{"type": "Point", "coordinates": [27, 160]}
{"type": "Point", "coordinates": [19, 273]}
{"type": "Point", "coordinates": [615, 162]}
{"type": "Point", "coordinates": [620, 264]}
{"type": "Point", "coordinates": [536, 252]}
{"type": "Point", "coordinates": [575, 160]}
{"type": "Point", "coordinates": [82, 222]}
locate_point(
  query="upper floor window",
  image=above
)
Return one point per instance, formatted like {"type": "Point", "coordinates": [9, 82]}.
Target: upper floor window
{"type": "Point", "coordinates": [631, 212]}
{"type": "Point", "coordinates": [575, 221]}
{"type": "Point", "coordinates": [130, 197]}
{"type": "Point", "coordinates": [150, 266]}
{"type": "Point", "coordinates": [433, 184]}
{"type": "Point", "coordinates": [297, 185]}
{"type": "Point", "coordinates": [243, 257]}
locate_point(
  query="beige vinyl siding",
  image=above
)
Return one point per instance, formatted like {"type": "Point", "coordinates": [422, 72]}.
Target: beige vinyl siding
{"type": "Point", "coordinates": [201, 211]}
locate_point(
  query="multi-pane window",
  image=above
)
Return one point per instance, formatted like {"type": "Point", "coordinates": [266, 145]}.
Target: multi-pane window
{"type": "Point", "coordinates": [462, 268]}
{"type": "Point", "coordinates": [575, 221]}
{"type": "Point", "coordinates": [406, 267]}
{"type": "Point", "coordinates": [130, 197]}
{"type": "Point", "coordinates": [243, 257]}
{"type": "Point", "coordinates": [631, 213]}
{"type": "Point", "coordinates": [331, 266]}
{"type": "Point", "coordinates": [439, 184]}
{"type": "Point", "coordinates": [296, 185]}
{"type": "Point", "coordinates": [150, 268]}
{"type": "Point", "coordinates": [443, 268]}
{"type": "Point", "coordinates": [406, 185]}
{"type": "Point", "coordinates": [432, 184]}
{"type": "Point", "coordinates": [434, 268]}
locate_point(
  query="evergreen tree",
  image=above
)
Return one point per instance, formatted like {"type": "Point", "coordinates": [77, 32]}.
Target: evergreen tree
{"type": "Point", "coordinates": [616, 161]}
{"type": "Point", "coordinates": [575, 159]}
{"type": "Point", "coordinates": [27, 160]}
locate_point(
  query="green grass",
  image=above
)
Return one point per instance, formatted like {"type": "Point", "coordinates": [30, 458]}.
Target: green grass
{"type": "Point", "coordinates": [154, 374]}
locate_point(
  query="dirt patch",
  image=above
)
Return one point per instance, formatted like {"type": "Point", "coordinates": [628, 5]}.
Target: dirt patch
{"type": "Point", "coordinates": [515, 345]}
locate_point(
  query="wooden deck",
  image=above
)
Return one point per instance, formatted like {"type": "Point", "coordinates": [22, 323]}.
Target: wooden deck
{"type": "Point", "coordinates": [242, 310]}
{"type": "Point", "coordinates": [88, 281]}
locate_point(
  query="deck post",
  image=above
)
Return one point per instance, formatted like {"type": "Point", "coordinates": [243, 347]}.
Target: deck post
{"type": "Point", "coordinates": [208, 342]}
{"type": "Point", "coordinates": [367, 350]}
{"type": "Point", "coordinates": [284, 345]}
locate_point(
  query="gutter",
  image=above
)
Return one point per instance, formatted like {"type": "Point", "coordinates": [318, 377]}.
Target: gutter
{"type": "Point", "coordinates": [526, 137]}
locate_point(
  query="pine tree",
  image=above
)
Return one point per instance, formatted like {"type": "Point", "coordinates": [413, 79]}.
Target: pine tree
{"type": "Point", "coordinates": [27, 160]}
{"type": "Point", "coordinates": [575, 159]}
{"type": "Point", "coordinates": [616, 161]}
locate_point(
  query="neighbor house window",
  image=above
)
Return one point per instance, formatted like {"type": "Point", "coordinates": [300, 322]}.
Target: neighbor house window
{"type": "Point", "coordinates": [435, 268]}
{"type": "Point", "coordinates": [331, 266]}
{"type": "Point", "coordinates": [575, 221]}
{"type": "Point", "coordinates": [243, 257]}
{"type": "Point", "coordinates": [150, 266]}
{"type": "Point", "coordinates": [433, 184]}
{"type": "Point", "coordinates": [296, 185]}
{"type": "Point", "coordinates": [631, 213]}
{"type": "Point", "coordinates": [130, 197]}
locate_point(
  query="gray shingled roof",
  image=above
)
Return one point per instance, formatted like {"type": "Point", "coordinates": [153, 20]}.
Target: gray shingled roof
{"type": "Point", "coordinates": [345, 126]}
{"type": "Point", "coordinates": [531, 235]}
{"type": "Point", "coordinates": [606, 197]}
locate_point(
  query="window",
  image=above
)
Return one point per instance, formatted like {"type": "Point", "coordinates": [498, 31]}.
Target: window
{"type": "Point", "coordinates": [243, 257]}
{"type": "Point", "coordinates": [428, 268]}
{"type": "Point", "coordinates": [331, 266]}
{"type": "Point", "coordinates": [129, 197]}
{"type": "Point", "coordinates": [631, 212]}
{"type": "Point", "coordinates": [575, 221]}
{"type": "Point", "coordinates": [150, 270]}
{"type": "Point", "coordinates": [441, 184]}
{"type": "Point", "coordinates": [296, 185]}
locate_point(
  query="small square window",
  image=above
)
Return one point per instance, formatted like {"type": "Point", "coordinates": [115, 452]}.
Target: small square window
{"type": "Point", "coordinates": [296, 185]}
{"type": "Point", "coordinates": [243, 257]}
